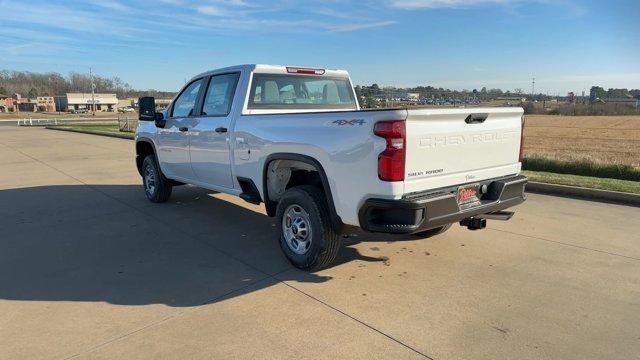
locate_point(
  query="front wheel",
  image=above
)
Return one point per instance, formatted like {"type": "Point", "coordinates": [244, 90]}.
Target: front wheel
{"type": "Point", "coordinates": [157, 188]}
{"type": "Point", "coordinates": [306, 236]}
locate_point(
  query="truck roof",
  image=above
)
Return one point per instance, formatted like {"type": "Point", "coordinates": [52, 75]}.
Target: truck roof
{"type": "Point", "coordinates": [269, 69]}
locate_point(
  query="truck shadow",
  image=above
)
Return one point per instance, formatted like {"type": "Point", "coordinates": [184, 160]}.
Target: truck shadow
{"type": "Point", "coordinates": [107, 243]}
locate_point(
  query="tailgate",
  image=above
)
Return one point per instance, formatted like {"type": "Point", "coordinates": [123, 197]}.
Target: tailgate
{"type": "Point", "coordinates": [455, 146]}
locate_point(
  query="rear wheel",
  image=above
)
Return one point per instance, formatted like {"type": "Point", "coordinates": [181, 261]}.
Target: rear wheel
{"type": "Point", "coordinates": [306, 236]}
{"type": "Point", "coordinates": [157, 188]}
{"type": "Point", "coordinates": [432, 232]}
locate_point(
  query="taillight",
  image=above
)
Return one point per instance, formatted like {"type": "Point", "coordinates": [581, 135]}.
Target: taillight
{"type": "Point", "coordinates": [521, 155]}
{"type": "Point", "coordinates": [391, 160]}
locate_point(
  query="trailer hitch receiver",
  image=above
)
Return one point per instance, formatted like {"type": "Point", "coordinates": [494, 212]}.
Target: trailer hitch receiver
{"type": "Point", "coordinates": [474, 223]}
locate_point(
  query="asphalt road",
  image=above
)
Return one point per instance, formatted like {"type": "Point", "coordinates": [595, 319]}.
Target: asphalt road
{"type": "Point", "coordinates": [89, 268]}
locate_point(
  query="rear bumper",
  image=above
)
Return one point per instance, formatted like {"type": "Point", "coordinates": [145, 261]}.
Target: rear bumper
{"type": "Point", "coordinates": [428, 210]}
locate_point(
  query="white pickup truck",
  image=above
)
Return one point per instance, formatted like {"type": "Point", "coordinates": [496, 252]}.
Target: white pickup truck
{"type": "Point", "coordinates": [296, 140]}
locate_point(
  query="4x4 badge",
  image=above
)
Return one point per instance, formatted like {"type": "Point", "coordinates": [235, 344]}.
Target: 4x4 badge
{"type": "Point", "coordinates": [349, 122]}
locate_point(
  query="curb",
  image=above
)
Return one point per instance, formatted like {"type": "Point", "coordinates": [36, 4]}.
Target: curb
{"type": "Point", "coordinates": [100, 133]}
{"type": "Point", "coordinates": [584, 193]}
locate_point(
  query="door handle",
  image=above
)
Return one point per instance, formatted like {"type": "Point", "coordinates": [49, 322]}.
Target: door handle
{"type": "Point", "coordinates": [221, 129]}
{"type": "Point", "coordinates": [183, 129]}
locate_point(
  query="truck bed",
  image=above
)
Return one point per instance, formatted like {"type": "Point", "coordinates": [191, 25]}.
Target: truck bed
{"type": "Point", "coordinates": [441, 149]}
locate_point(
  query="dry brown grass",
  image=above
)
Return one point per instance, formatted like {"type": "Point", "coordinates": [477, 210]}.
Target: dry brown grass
{"type": "Point", "coordinates": [600, 139]}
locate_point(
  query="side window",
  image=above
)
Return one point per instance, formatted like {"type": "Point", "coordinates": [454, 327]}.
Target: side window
{"type": "Point", "coordinates": [184, 104]}
{"type": "Point", "coordinates": [219, 96]}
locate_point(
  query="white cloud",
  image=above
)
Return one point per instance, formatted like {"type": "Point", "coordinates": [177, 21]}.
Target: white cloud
{"type": "Point", "coordinates": [111, 5]}
{"type": "Point", "coordinates": [360, 26]}
{"type": "Point", "coordinates": [212, 10]}
{"type": "Point", "coordinates": [235, 2]}
{"type": "Point", "coordinates": [433, 4]}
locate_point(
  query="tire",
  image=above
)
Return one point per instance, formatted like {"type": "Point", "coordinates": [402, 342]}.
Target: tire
{"type": "Point", "coordinates": [303, 210]}
{"type": "Point", "coordinates": [156, 187]}
{"type": "Point", "coordinates": [432, 232]}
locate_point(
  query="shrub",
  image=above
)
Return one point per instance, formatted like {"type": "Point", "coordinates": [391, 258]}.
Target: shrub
{"type": "Point", "coordinates": [582, 167]}
{"type": "Point", "coordinates": [529, 108]}
{"type": "Point", "coordinates": [580, 109]}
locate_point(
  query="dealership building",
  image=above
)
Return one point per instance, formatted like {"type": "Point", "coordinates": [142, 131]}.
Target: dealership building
{"type": "Point", "coordinates": [78, 101]}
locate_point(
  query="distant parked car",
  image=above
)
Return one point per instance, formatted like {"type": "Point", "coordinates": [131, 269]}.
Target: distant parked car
{"type": "Point", "coordinates": [80, 111]}
{"type": "Point", "coordinates": [126, 109]}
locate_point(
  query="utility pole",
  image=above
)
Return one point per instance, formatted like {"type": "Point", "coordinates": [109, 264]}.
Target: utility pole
{"type": "Point", "coordinates": [533, 87]}
{"type": "Point", "coordinates": [93, 97]}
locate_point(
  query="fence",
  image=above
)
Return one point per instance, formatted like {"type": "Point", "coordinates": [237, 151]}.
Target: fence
{"type": "Point", "coordinates": [64, 121]}
{"type": "Point", "coordinates": [126, 124]}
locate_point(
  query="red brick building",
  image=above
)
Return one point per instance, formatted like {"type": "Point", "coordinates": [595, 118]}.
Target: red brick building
{"type": "Point", "coordinates": [11, 102]}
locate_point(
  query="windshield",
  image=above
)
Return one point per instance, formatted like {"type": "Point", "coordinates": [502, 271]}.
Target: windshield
{"type": "Point", "coordinates": [283, 91]}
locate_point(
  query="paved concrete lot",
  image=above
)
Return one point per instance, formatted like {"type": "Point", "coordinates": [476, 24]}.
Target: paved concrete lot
{"type": "Point", "coordinates": [90, 269]}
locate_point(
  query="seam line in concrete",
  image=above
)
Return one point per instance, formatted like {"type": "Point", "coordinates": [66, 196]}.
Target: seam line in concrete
{"type": "Point", "coordinates": [359, 321]}
{"type": "Point", "coordinates": [167, 318]}
{"type": "Point", "coordinates": [251, 266]}
{"type": "Point", "coordinates": [157, 220]}
{"type": "Point", "coordinates": [567, 244]}
{"type": "Point", "coordinates": [274, 276]}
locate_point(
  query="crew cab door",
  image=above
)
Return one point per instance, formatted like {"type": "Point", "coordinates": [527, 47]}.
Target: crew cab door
{"type": "Point", "coordinates": [210, 145]}
{"type": "Point", "coordinates": [173, 139]}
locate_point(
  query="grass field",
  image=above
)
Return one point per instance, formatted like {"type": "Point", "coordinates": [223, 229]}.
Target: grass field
{"type": "Point", "coordinates": [95, 129]}
{"type": "Point", "coordinates": [90, 127]}
{"type": "Point", "coordinates": [584, 181]}
{"type": "Point", "coordinates": [613, 140]}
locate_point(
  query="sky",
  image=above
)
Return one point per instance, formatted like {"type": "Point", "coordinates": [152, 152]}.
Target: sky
{"type": "Point", "coordinates": [567, 45]}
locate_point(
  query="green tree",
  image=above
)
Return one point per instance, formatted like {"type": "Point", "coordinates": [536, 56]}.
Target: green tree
{"type": "Point", "coordinates": [3, 91]}
{"type": "Point", "coordinates": [33, 93]}
{"type": "Point", "coordinates": [617, 93]}
{"type": "Point", "coordinates": [597, 92]}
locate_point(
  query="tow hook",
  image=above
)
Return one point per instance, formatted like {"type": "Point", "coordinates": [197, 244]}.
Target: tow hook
{"type": "Point", "coordinates": [474, 223]}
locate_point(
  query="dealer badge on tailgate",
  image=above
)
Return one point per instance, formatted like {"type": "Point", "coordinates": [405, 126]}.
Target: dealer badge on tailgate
{"type": "Point", "coordinates": [468, 196]}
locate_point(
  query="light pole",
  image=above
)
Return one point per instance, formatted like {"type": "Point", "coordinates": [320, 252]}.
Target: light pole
{"type": "Point", "coordinates": [93, 98]}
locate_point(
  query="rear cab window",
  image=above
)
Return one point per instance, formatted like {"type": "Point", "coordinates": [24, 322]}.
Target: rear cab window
{"type": "Point", "coordinates": [300, 92]}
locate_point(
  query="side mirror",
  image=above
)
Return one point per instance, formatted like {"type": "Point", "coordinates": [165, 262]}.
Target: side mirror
{"type": "Point", "coordinates": [147, 110]}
